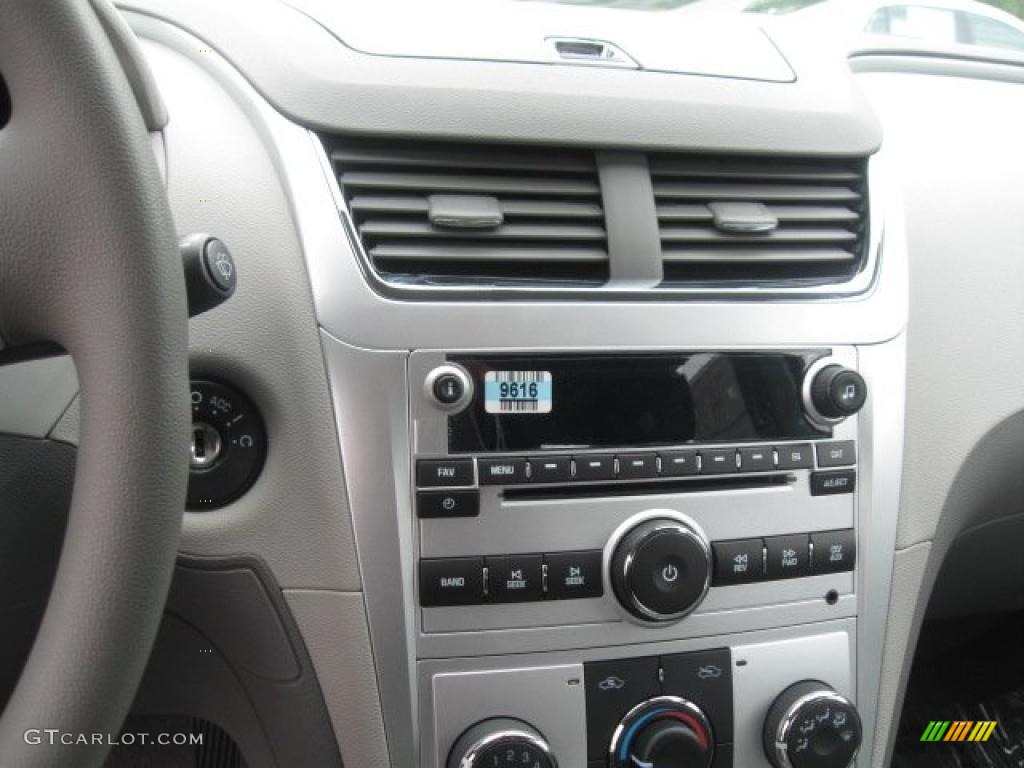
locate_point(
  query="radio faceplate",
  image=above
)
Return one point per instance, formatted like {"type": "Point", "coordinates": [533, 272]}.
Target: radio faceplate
{"type": "Point", "coordinates": [496, 529]}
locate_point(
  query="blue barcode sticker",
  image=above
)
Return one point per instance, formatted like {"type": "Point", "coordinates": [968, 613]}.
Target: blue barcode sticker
{"type": "Point", "coordinates": [518, 392]}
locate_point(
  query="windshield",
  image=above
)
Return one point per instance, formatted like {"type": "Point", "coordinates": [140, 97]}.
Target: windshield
{"type": "Point", "coordinates": [995, 25]}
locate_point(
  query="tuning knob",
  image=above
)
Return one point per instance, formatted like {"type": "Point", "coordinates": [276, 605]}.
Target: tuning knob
{"type": "Point", "coordinates": [501, 742]}
{"type": "Point", "coordinates": [837, 392]}
{"type": "Point", "coordinates": [661, 570]}
{"type": "Point", "coordinates": [667, 732]}
{"type": "Point", "coordinates": [811, 726]}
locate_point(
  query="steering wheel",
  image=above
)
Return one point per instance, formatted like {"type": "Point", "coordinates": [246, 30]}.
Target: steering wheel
{"type": "Point", "coordinates": [88, 262]}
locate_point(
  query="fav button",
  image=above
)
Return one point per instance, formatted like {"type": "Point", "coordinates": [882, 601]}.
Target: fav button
{"type": "Point", "coordinates": [442, 473]}
{"type": "Point", "coordinates": [574, 575]}
{"type": "Point", "coordinates": [738, 562]}
{"type": "Point", "coordinates": [502, 471]}
{"type": "Point", "coordinates": [838, 453]}
{"type": "Point", "coordinates": [787, 556]}
{"type": "Point", "coordinates": [451, 581]}
{"type": "Point", "coordinates": [430, 504]}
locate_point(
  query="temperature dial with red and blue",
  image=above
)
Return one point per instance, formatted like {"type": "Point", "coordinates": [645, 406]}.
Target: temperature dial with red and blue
{"type": "Point", "coordinates": [663, 732]}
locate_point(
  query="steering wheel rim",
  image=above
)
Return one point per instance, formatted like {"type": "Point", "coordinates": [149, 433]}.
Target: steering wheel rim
{"type": "Point", "coordinates": [88, 261]}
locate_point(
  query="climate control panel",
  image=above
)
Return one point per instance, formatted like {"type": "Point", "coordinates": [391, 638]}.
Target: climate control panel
{"type": "Point", "coordinates": [768, 703]}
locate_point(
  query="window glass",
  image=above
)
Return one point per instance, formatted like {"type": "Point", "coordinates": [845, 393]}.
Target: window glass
{"type": "Point", "coordinates": [993, 33]}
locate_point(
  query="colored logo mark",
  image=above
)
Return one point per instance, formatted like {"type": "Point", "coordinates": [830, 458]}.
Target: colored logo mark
{"type": "Point", "coordinates": [959, 730]}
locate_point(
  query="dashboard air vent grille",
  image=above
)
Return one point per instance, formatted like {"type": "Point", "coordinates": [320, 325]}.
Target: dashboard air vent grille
{"type": "Point", "coordinates": [744, 221]}
{"type": "Point", "coordinates": [472, 215]}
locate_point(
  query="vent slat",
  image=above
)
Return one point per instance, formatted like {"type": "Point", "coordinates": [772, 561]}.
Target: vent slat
{"type": "Point", "coordinates": [465, 158]}
{"type": "Point", "coordinates": [763, 256]}
{"type": "Point", "coordinates": [432, 183]}
{"type": "Point", "coordinates": [536, 209]}
{"type": "Point", "coordinates": [757, 192]}
{"type": "Point", "coordinates": [486, 253]}
{"type": "Point", "coordinates": [670, 235]}
{"type": "Point", "coordinates": [377, 229]}
{"type": "Point", "coordinates": [752, 171]}
{"type": "Point", "coordinates": [670, 212]}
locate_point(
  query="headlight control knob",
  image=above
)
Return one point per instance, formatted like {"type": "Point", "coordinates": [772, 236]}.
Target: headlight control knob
{"type": "Point", "coordinates": [661, 570]}
{"type": "Point", "coordinates": [229, 445]}
{"type": "Point", "coordinates": [811, 726]}
{"type": "Point", "coordinates": [664, 732]}
{"type": "Point", "coordinates": [837, 392]}
{"type": "Point", "coordinates": [501, 742]}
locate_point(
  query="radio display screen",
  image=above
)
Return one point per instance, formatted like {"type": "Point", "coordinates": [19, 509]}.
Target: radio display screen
{"type": "Point", "coordinates": [539, 402]}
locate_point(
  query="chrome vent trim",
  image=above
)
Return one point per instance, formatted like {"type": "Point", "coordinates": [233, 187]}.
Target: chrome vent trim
{"type": "Point", "coordinates": [818, 206]}
{"type": "Point", "coordinates": [549, 229]}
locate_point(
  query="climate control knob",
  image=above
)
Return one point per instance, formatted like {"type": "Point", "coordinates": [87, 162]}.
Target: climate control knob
{"type": "Point", "coordinates": [501, 742]}
{"type": "Point", "coordinates": [661, 570]}
{"type": "Point", "coordinates": [811, 726]}
{"type": "Point", "coordinates": [664, 732]}
{"type": "Point", "coordinates": [837, 392]}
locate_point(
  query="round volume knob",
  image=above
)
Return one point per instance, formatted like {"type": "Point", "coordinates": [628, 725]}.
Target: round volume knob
{"type": "Point", "coordinates": [661, 570]}
{"type": "Point", "coordinates": [666, 732]}
{"type": "Point", "coordinates": [811, 726]}
{"type": "Point", "coordinates": [501, 742]}
{"type": "Point", "coordinates": [838, 392]}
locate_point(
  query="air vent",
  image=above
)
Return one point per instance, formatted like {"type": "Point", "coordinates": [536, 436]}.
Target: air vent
{"type": "Point", "coordinates": [748, 221]}
{"type": "Point", "coordinates": [481, 216]}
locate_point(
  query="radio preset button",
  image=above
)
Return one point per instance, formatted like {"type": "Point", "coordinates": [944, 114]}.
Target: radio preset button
{"type": "Point", "coordinates": [717, 461]}
{"type": "Point", "coordinates": [832, 483]}
{"type": "Point", "coordinates": [795, 456]}
{"type": "Point", "coordinates": [551, 469]}
{"type": "Point", "coordinates": [574, 575]}
{"type": "Point", "coordinates": [756, 460]}
{"type": "Point", "coordinates": [515, 579]}
{"type": "Point", "coordinates": [502, 471]}
{"type": "Point", "coordinates": [431, 504]}
{"type": "Point", "coordinates": [443, 473]}
{"type": "Point", "coordinates": [597, 467]}
{"type": "Point", "coordinates": [636, 466]}
{"type": "Point", "coordinates": [838, 453]}
{"type": "Point", "coordinates": [678, 463]}
{"type": "Point", "coordinates": [738, 562]}
{"type": "Point", "coordinates": [834, 551]}
{"type": "Point", "coordinates": [451, 581]}
{"type": "Point", "coordinates": [787, 556]}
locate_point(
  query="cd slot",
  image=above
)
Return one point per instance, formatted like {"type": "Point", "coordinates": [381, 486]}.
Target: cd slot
{"type": "Point", "coordinates": [649, 488]}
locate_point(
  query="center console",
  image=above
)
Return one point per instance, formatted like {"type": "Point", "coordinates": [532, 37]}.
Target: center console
{"type": "Point", "coordinates": [637, 496]}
